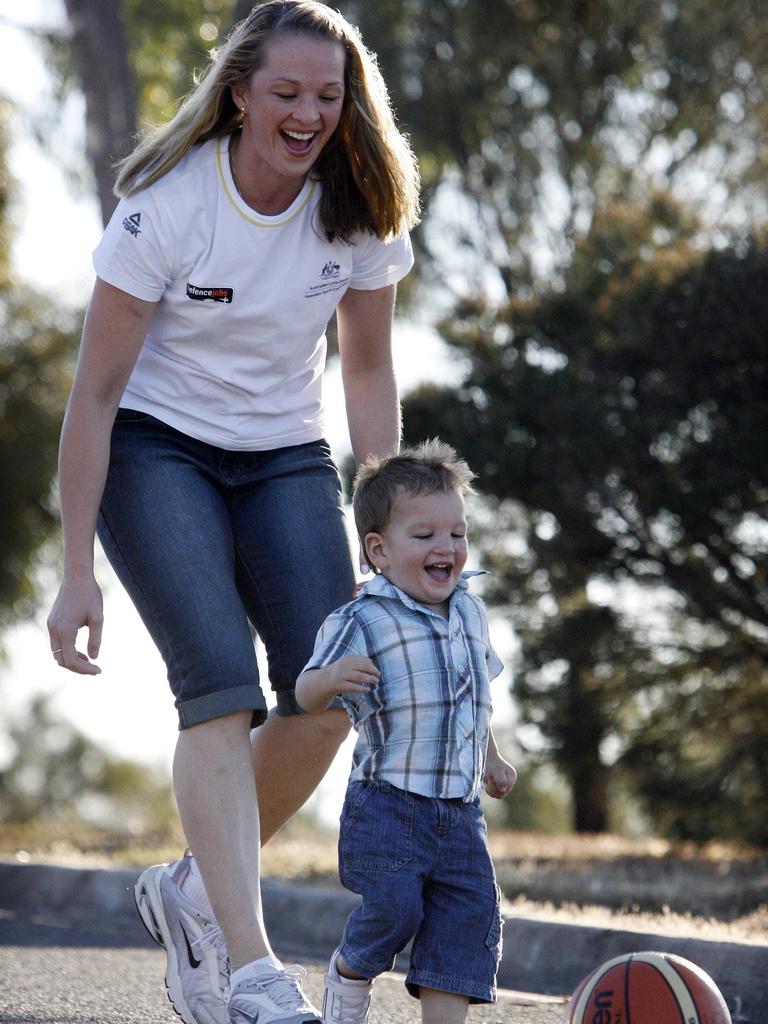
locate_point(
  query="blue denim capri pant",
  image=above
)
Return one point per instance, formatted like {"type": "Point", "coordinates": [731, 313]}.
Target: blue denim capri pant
{"type": "Point", "coordinates": [212, 545]}
{"type": "Point", "coordinates": [424, 871]}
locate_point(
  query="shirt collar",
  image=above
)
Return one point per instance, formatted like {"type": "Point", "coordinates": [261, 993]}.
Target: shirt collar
{"type": "Point", "coordinates": [380, 586]}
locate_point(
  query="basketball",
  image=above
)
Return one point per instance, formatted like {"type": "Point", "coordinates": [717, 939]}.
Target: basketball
{"type": "Point", "coordinates": [648, 988]}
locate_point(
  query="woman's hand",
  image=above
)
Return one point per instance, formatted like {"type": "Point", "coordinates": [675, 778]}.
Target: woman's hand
{"type": "Point", "coordinates": [78, 604]}
{"type": "Point", "coordinates": [115, 326]}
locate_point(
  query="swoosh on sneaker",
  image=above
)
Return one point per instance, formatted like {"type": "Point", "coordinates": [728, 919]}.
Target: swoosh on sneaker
{"type": "Point", "coordinates": [193, 961]}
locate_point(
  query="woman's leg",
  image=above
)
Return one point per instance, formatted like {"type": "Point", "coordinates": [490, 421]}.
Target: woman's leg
{"type": "Point", "coordinates": [291, 754]}
{"type": "Point", "coordinates": [293, 568]}
{"type": "Point", "coordinates": [216, 795]}
{"type": "Point", "coordinates": [442, 1007]}
{"type": "Point", "coordinates": [165, 527]}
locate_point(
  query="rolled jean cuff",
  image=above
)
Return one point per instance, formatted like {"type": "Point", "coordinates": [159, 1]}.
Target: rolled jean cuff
{"type": "Point", "coordinates": [223, 702]}
{"type": "Point", "coordinates": [475, 992]}
{"type": "Point", "coordinates": [287, 704]}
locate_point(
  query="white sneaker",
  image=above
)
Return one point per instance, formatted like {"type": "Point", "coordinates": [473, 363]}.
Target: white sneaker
{"type": "Point", "coordinates": [197, 973]}
{"type": "Point", "coordinates": [346, 1000]}
{"type": "Point", "coordinates": [267, 995]}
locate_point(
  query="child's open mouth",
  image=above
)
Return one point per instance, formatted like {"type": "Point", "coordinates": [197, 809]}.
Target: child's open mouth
{"type": "Point", "coordinates": [439, 571]}
{"type": "Point", "coordinates": [298, 142]}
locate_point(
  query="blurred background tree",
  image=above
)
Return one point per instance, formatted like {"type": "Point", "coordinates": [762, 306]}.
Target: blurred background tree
{"type": "Point", "coordinates": [530, 116]}
{"type": "Point", "coordinates": [611, 341]}
{"type": "Point", "coordinates": [37, 339]}
{"type": "Point", "coordinates": [617, 427]}
{"type": "Point", "coordinates": [54, 774]}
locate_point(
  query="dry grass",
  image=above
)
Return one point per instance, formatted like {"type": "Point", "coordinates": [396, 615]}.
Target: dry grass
{"type": "Point", "coordinates": [717, 891]}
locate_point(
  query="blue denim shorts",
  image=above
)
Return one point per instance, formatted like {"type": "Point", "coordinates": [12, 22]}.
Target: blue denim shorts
{"type": "Point", "coordinates": [424, 872]}
{"type": "Point", "coordinates": [214, 544]}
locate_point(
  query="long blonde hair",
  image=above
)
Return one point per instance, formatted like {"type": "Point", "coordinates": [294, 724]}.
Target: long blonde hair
{"type": "Point", "coordinates": [369, 175]}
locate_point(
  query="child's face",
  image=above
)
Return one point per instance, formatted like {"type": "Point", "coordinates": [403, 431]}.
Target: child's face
{"type": "Point", "coordinates": [424, 546]}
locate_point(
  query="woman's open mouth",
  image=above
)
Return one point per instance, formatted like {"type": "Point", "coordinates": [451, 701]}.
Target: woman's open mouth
{"type": "Point", "coordinates": [298, 142]}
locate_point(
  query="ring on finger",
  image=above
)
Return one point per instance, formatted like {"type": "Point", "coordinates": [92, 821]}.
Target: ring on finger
{"type": "Point", "coordinates": [60, 651]}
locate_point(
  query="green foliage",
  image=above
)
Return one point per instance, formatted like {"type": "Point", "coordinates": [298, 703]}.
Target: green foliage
{"type": "Point", "coordinates": [6, 197]}
{"type": "Point", "coordinates": [618, 426]}
{"type": "Point", "coordinates": [538, 803]}
{"type": "Point", "coordinates": [55, 773]}
{"type": "Point", "coordinates": [168, 42]}
{"type": "Point", "coordinates": [36, 343]}
{"type": "Point", "coordinates": [539, 113]}
{"type": "Point", "coordinates": [612, 398]}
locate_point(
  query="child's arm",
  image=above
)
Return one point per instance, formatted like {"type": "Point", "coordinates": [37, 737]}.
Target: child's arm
{"type": "Point", "coordinates": [500, 776]}
{"type": "Point", "coordinates": [316, 688]}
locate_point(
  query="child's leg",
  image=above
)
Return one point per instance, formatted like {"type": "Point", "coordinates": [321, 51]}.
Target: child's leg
{"type": "Point", "coordinates": [347, 999]}
{"type": "Point", "coordinates": [442, 1007]}
{"type": "Point", "coordinates": [346, 971]}
{"type": "Point", "coordinates": [378, 859]}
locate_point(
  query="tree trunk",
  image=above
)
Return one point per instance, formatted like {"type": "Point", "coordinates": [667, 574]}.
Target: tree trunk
{"type": "Point", "coordinates": [582, 734]}
{"type": "Point", "coordinates": [100, 53]}
{"type": "Point", "coordinates": [590, 798]}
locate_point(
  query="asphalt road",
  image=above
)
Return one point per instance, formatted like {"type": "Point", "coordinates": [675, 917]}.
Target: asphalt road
{"type": "Point", "coordinates": [59, 975]}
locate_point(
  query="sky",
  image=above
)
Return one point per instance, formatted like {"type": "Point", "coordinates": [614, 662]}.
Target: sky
{"type": "Point", "coordinates": [128, 708]}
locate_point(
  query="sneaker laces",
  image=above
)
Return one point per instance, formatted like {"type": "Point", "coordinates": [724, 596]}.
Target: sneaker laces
{"type": "Point", "coordinates": [214, 937]}
{"type": "Point", "coordinates": [283, 987]}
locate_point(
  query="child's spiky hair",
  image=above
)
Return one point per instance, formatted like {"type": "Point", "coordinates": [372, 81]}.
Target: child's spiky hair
{"type": "Point", "coordinates": [429, 467]}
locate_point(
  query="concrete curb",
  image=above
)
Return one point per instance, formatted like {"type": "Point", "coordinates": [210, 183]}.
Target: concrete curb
{"type": "Point", "coordinates": [545, 957]}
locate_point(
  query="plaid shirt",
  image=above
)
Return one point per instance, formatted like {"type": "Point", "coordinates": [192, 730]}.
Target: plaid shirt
{"type": "Point", "coordinates": [424, 725]}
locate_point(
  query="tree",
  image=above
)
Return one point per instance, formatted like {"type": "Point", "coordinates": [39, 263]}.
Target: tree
{"type": "Point", "coordinates": [133, 62]}
{"type": "Point", "coordinates": [529, 116]}
{"type": "Point", "coordinates": [36, 341]}
{"type": "Point", "coordinates": [544, 131]}
{"type": "Point", "coordinates": [56, 774]}
{"type": "Point", "coordinates": [618, 428]}
{"type": "Point", "coordinates": [540, 123]}
{"type": "Point", "coordinates": [99, 53]}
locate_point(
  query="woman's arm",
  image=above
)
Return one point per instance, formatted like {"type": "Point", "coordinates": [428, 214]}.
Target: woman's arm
{"type": "Point", "coordinates": [114, 330]}
{"type": "Point", "coordinates": [370, 391]}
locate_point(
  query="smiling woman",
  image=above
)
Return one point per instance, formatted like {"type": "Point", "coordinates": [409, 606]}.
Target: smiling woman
{"type": "Point", "coordinates": [291, 107]}
{"type": "Point", "coordinates": [280, 193]}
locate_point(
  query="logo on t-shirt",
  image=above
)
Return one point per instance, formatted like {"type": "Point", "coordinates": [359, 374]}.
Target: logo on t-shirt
{"type": "Point", "coordinates": [331, 269]}
{"type": "Point", "coordinates": [330, 280]}
{"type": "Point", "coordinates": [131, 224]}
{"type": "Point", "coordinates": [209, 294]}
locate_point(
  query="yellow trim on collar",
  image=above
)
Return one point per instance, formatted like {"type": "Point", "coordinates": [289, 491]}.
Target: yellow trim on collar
{"type": "Point", "coordinates": [253, 220]}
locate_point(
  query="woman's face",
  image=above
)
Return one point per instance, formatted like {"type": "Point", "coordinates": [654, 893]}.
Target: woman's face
{"type": "Point", "coordinates": [291, 107]}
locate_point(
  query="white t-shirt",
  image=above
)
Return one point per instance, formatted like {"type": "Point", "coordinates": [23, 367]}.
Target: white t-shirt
{"type": "Point", "coordinates": [235, 352]}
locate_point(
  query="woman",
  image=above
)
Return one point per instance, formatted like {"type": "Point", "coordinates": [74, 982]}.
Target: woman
{"type": "Point", "coordinates": [280, 193]}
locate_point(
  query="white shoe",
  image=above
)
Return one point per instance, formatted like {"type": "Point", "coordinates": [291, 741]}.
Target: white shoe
{"type": "Point", "coordinates": [268, 995]}
{"type": "Point", "coordinates": [346, 1000]}
{"type": "Point", "coordinates": [197, 974]}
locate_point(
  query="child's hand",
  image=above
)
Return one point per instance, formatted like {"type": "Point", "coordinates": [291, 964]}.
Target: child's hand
{"type": "Point", "coordinates": [316, 688]}
{"type": "Point", "coordinates": [499, 777]}
{"type": "Point", "coordinates": [351, 674]}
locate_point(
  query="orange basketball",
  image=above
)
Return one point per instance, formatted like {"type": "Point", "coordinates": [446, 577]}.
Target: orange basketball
{"type": "Point", "coordinates": [648, 988]}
